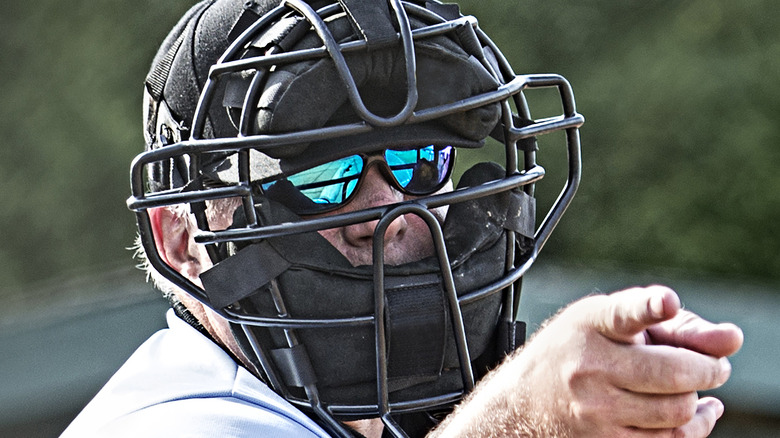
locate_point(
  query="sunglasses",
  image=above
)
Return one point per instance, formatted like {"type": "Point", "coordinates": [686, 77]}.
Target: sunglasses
{"type": "Point", "coordinates": [419, 171]}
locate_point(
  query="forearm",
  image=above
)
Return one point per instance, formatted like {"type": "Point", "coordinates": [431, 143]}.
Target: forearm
{"type": "Point", "coordinates": [503, 405]}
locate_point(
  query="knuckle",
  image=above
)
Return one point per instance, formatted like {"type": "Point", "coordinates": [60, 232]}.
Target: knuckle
{"type": "Point", "coordinates": [671, 411]}
{"type": "Point", "coordinates": [696, 374]}
{"type": "Point", "coordinates": [680, 378]}
{"type": "Point", "coordinates": [591, 401]}
{"type": "Point", "coordinates": [715, 377]}
{"type": "Point", "coordinates": [682, 408]}
{"type": "Point", "coordinates": [721, 372]}
{"type": "Point", "coordinates": [592, 411]}
{"type": "Point", "coordinates": [697, 425]}
{"type": "Point", "coordinates": [710, 374]}
{"type": "Point", "coordinates": [588, 375]}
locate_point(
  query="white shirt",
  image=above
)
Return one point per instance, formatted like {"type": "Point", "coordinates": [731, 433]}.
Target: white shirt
{"type": "Point", "coordinates": [181, 384]}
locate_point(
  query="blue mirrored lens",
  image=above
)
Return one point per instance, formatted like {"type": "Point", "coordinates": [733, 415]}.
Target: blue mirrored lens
{"type": "Point", "coordinates": [317, 188]}
{"type": "Point", "coordinates": [329, 183]}
{"type": "Point", "coordinates": [420, 171]}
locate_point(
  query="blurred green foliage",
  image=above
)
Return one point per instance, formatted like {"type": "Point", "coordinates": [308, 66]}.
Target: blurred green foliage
{"type": "Point", "coordinates": [680, 144]}
{"type": "Point", "coordinates": [71, 75]}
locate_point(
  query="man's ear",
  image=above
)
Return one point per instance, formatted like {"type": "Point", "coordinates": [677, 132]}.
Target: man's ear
{"type": "Point", "coordinates": [171, 231]}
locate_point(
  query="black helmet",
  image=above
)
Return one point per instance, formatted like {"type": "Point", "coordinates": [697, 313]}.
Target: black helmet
{"type": "Point", "coordinates": [245, 98]}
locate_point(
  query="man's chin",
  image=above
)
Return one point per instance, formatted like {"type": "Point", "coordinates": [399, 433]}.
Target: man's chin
{"type": "Point", "coordinates": [394, 255]}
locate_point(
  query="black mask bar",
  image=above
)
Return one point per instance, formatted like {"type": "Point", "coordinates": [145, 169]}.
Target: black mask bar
{"type": "Point", "coordinates": [380, 300]}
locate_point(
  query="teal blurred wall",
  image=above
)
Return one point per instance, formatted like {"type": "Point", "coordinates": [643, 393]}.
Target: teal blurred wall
{"type": "Point", "coordinates": [56, 355]}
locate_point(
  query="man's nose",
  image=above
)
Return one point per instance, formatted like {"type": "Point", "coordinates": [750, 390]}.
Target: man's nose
{"type": "Point", "coordinates": [374, 191]}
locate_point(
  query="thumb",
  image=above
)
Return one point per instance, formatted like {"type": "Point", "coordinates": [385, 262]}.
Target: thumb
{"type": "Point", "coordinates": [631, 311]}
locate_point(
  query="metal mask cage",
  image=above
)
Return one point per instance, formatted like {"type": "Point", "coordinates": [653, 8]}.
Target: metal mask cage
{"type": "Point", "coordinates": [517, 131]}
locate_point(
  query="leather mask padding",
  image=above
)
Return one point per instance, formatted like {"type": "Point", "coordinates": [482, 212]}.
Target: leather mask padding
{"type": "Point", "coordinates": [321, 283]}
{"type": "Point", "coordinates": [310, 94]}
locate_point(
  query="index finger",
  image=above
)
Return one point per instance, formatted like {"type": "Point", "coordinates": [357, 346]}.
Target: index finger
{"type": "Point", "coordinates": [631, 311]}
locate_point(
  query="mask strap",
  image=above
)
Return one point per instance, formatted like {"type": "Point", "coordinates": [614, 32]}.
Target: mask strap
{"type": "Point", "coordinates": [416, 319]}
{"type": "Point", "coordinates": [242, 274]}
{"type": "Point", "coordinates": [371, 19]}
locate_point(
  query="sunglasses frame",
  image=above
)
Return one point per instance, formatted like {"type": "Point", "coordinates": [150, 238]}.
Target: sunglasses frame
{"type": "Point", "coordinates": [378, 158]}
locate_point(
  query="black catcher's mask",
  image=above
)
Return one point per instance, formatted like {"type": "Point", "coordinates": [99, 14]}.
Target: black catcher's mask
{"type": "Point", "coordinates": [243, 95]}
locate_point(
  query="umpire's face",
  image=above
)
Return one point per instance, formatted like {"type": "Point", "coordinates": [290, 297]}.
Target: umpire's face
{"type": "Point", "coordinates": [407, 238]}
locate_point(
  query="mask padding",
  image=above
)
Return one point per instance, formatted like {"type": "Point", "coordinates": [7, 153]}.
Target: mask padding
{"type": "Point", "coordinates": [474, 225]}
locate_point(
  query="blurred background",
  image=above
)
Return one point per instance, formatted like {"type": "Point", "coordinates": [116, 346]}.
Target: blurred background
{"type": "Point", "coordinates": [681, 149]}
